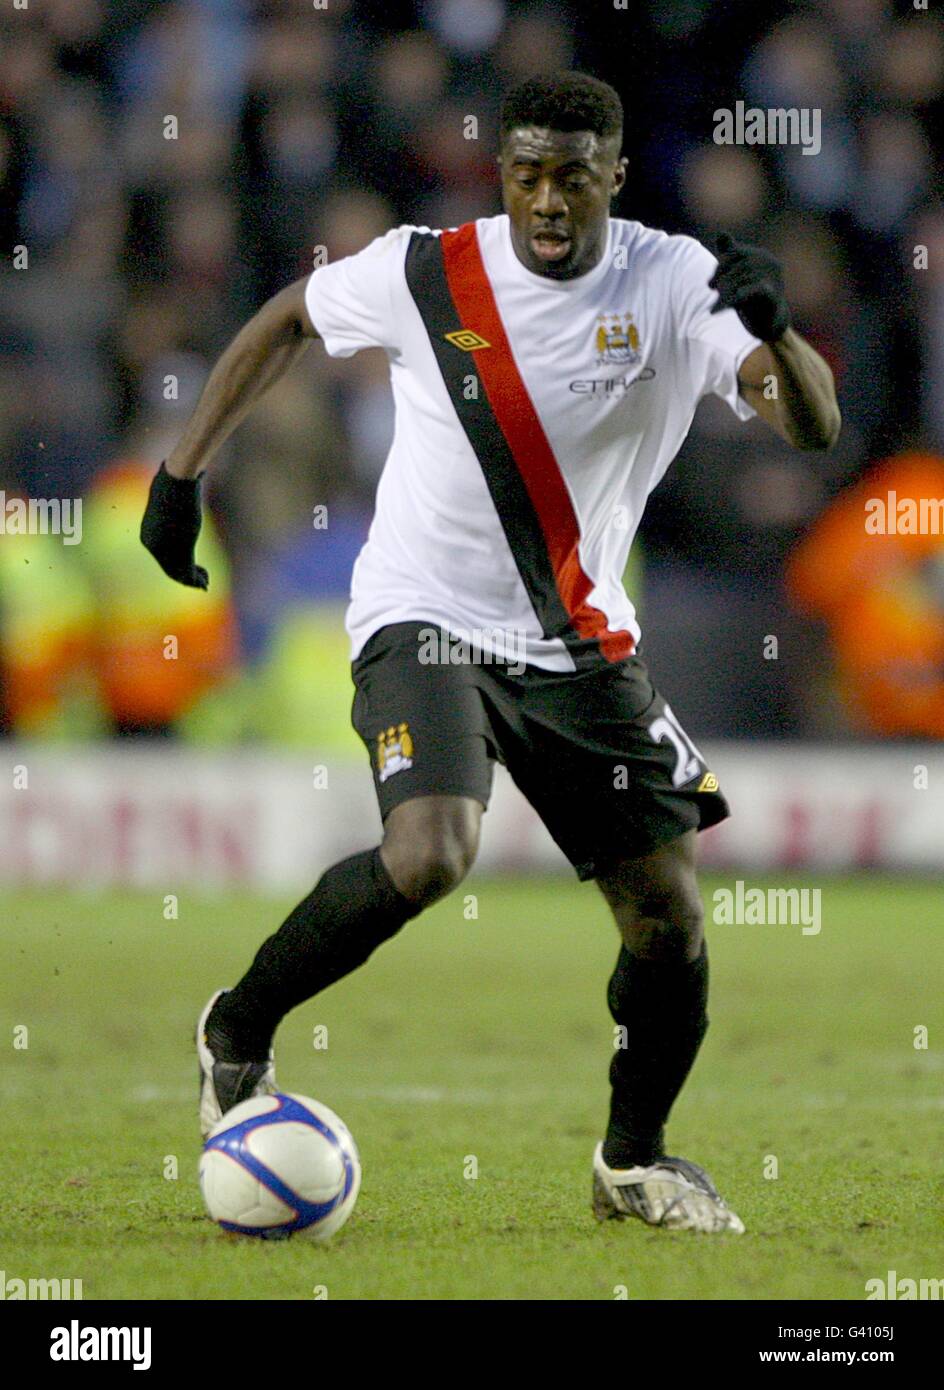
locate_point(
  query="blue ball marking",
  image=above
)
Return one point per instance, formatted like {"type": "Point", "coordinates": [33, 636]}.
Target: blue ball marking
{"type": "Point", "coordinates": [307, 1214]}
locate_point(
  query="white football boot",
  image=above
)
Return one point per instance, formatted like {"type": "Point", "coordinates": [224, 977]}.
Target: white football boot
{"type": "Point", "coordinates": [672, 1192]}
{"type": "Point", "coordinates": [225, 1084]}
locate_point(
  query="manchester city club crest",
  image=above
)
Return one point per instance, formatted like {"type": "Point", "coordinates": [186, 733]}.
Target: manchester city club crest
{"type": "Point", "coordinates": [394, 750]}
{"type": "Point", "coordinates": [617, 339]}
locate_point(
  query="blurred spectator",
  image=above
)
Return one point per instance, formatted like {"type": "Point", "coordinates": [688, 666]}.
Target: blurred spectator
{"type": "Point", "coordinates": [157, 646]}
{"type": "Point", "coordinates": [92, 636]}
{"type": "Point", "coordinates": [876, 576]}
{"type": "Point", "coordinates": [725, 189]}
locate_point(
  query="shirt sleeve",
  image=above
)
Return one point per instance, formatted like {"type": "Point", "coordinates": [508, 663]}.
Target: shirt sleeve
{"type": "Point", "coordinates": [717, 343]}
{"type": "Point", "coordinates": [351, 301]}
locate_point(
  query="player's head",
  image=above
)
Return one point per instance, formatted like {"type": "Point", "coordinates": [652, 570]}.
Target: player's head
{"type": "Point", "coordinates": [559, 155]}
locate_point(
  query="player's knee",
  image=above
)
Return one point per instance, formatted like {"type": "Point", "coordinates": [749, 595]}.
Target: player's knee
{"type": "Point", "coordinates": [433, 858]}
{"type": "Point", "coordinates": [670, 929]}
{"type": "Point", "coordinates": [434, 868]}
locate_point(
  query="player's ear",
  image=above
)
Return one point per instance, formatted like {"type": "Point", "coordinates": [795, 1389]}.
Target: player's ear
{"type": "Point", "coordinates": [619, 175]}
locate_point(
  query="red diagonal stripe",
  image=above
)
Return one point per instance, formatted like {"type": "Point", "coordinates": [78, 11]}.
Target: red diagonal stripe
{"type": "Point", "coordinates": [519, 422]}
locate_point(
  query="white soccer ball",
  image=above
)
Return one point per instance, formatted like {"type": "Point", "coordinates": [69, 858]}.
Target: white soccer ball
{"type": "Point", "coordinates": [278, 1165]}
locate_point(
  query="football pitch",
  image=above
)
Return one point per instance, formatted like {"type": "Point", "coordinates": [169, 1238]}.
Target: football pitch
{"type": "Point", "coordinates": [469, 1059]}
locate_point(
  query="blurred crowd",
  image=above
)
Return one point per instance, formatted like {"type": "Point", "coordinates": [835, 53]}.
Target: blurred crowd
{"type": "Point", "coordinates": [168, 164]}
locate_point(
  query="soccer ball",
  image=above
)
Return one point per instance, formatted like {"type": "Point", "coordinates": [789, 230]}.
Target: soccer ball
{"type": "Point", "coordinates": [280, 1164]}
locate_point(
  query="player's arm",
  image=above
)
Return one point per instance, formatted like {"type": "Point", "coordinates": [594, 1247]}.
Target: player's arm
{"type": "Point", "coordinates": [263, 351]}
{"type": "Point", "coordinates": [801, 406]}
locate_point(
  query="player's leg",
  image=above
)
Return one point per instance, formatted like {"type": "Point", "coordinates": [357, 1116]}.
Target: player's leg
{"type": "Point", "coordinates": [425, 730]}
{"type": "Point", "coordinates": [428, 847]}
{"type": "Point", "coordinates": [623, 790]}
{"type": "Point", "coordinates": [657, 994]}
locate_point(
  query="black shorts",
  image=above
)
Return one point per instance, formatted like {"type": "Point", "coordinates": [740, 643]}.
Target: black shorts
{"type": "Point", "coordinates": [598, 753]}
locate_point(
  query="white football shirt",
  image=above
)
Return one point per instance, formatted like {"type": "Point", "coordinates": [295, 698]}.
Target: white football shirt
{"type": "Point", "coordinates": [533, 419]}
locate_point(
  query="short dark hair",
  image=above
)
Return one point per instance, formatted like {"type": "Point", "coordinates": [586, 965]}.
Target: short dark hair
{"type": "Point", "coordinates": [563, 101]}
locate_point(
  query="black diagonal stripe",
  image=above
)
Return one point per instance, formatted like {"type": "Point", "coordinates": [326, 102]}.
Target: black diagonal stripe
{"type": "Point", "coordinates": [426, 277]}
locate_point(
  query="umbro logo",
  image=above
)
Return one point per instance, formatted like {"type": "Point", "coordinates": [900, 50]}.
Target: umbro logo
{"type": "Point", "coordinates": [465, 339]}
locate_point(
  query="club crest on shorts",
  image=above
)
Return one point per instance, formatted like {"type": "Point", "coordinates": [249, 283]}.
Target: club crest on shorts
{"type": "Point", "coordinates": [394, 750]}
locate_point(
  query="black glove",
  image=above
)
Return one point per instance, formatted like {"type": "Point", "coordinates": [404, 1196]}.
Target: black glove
{"type": "Point", "coordinates": [750, 281]}
{"type": "Point", "coordinates": [171, 525]}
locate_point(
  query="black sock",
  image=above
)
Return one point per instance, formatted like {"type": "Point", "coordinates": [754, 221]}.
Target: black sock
{"type": "Point", "coordinates": [662, 1006]}
{"type": "Point", "coordinates": [353, 908]}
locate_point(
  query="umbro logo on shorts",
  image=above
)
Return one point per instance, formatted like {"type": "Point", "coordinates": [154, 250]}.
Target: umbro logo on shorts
{"type": "Point", "coordinates": [465, 339]}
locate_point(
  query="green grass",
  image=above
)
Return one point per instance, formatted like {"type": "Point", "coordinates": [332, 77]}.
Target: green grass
{"type": "Point", "coordinates": [491, 1038]}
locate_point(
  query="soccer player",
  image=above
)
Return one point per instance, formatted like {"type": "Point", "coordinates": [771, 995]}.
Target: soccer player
{"type": "Point", "coordinates": [545, 364]}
